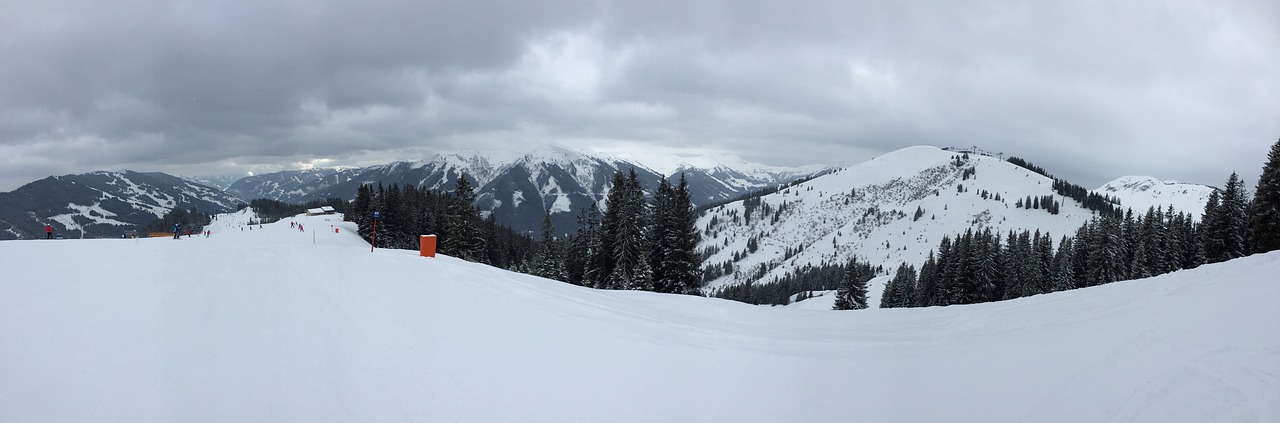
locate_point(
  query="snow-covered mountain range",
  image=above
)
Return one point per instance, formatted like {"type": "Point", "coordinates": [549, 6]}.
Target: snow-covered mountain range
{"type": "Point", "coordinates": [291, 186]}
{"type": "Point", "coordinates": [828, 218]}
{"type": "Point", "coordinates": [895, 209]}
{"type": "Point", "coordinates": [102, 204]}
{"type": "Point", "coordinates": [519, 189]}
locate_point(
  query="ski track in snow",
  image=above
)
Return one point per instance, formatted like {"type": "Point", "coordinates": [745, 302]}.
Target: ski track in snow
{"type": "Point", "coordinates": [269, 325]}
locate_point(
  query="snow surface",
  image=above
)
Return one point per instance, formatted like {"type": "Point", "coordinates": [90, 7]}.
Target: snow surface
{"type": "Point", "coordinates": [273, 324]}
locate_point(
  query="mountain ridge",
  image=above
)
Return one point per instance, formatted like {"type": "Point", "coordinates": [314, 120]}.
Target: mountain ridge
{"type": "Point", "coordinates": [102, 203]}
{"type": "Point", "coordinates": [887, 211]}
{"type": "Point", "coordinates": [519, 188]}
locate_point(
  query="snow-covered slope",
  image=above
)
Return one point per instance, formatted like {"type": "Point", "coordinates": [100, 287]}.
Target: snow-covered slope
{"type": "Point", "coordinates": [273, 324]}
{"type": "Point", "coordinates": [868, 211]}
{"type": "Point", "coordinates": [1142, 192]}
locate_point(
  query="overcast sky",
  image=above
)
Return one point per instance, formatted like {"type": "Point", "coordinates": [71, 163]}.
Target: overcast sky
{"type": "Point", "coordinates": [1090, 90]}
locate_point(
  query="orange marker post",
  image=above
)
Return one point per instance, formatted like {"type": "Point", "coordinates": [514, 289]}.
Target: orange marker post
{"type": "Point", "coordinates": [427, 246]}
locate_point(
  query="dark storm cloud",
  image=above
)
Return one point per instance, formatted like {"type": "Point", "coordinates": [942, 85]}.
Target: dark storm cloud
{"type": "Point", "coordinates": [1091, 90]}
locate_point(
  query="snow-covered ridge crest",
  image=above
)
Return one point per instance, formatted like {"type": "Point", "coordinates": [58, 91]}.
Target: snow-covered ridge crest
{"type": "Point", "coordinates": [890, 210]}
{"type": "Point", "coordinates": [1141, 192]}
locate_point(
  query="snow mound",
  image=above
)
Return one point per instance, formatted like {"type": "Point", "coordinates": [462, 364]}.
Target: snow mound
{"type": "Point", "coordinates": [269, 323]}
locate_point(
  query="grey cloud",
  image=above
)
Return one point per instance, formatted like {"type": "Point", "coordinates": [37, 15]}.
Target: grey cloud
{"type": "Point", "coordinates": [1091, 90]}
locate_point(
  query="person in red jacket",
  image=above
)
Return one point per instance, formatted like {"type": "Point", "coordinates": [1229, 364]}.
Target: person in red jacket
{"type": "Point", "coordinates": [48, 231]}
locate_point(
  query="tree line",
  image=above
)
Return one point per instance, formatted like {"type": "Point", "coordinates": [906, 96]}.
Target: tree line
{"type": "Point", "coordinates": [407, 212]}
{"type": "Point", "coordinates": [634, 244]}
{"type": "Point", "coordinates": [1104, 204]}
{"type": "Point", "coordinates": [849, 279]}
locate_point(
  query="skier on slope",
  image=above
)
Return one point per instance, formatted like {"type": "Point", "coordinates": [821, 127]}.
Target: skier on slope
{"type": "Point", "coordinates": [48, 231]}
{"type": "Point", "coordinates": [177, 230]}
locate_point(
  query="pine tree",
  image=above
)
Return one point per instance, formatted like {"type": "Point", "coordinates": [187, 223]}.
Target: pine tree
{"type": "Point", "coordinates": [1224, 227]}
{"type": "Point", "coordinates": [599, 254]}
{"type": "Point", "coordinates": [1235, 203]}
{"type": "Point", "coordinates": [579, 252]}
{"type": "Point", "coordinates": [941, 286]}
{"type": "Point", "coordinates": [465, 225]}
{"type": "Point", "coordinates": [1210, 240]}
{"type": "Point", "coordinates": [857, 286]}
{"type": "Point", "coordinates": [986, 280]}
{"type": "Point", "coordinates": [391, 229]}
{"type": "Point", "coordinates": [844, 294]}
{"type": "Point", "coordinates": [1264, 212]}
{"type": "Point", "coordinates": [1043, 261]}
{"type": "Point", "coordinates": [926, 292]}
{"type": "Point", "coordinates": [1081, 255]}
{"type": "Point", "coordinates": [900, 290]}
{"type": "Point", "coordinates": [625, 219]}
{"type": "Point", "coordinates": [659, 234]}
{"type": "Point", "coordinates": [603, 261]}
{"type": "Point", "coordinates": [361, 211]}
{"type": "Point", "coordinates": [549, 263]}
{"type": "Point", "coordinates": [1063, 275]}
{"type": "Point", "coordinates": [1106, 250]}
{"type": "Point", "coordinates": [682, 260]}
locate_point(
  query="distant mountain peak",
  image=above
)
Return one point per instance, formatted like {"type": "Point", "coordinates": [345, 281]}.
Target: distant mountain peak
{"type": "Point", "coordinates": [559, 154]}
{"type": "Point", "coordinates": [1142, 192]}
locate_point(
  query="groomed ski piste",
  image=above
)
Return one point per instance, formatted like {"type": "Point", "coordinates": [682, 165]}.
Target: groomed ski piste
{"type": "Point", "coordinates": [277, 325]}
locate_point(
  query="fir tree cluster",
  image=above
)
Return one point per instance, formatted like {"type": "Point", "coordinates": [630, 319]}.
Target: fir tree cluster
{"type": "Point", "coordinates": [1087, 199]}
{"type": "Point", "coordinates": [408, 212]}
{"type": "Point", "coordinates": [845, 278]}
{"type": "Point", "coordinates": [633, 245]}
{"type": "Point", "coordinates": [1044, 202]}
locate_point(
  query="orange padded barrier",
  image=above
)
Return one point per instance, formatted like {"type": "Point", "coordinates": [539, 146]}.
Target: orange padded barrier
{"type": "Point", "coordinates": [427, 246]}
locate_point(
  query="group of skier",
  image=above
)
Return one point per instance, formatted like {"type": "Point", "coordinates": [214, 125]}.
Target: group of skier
{"type": "Point", "coordinates": [177, 231]}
